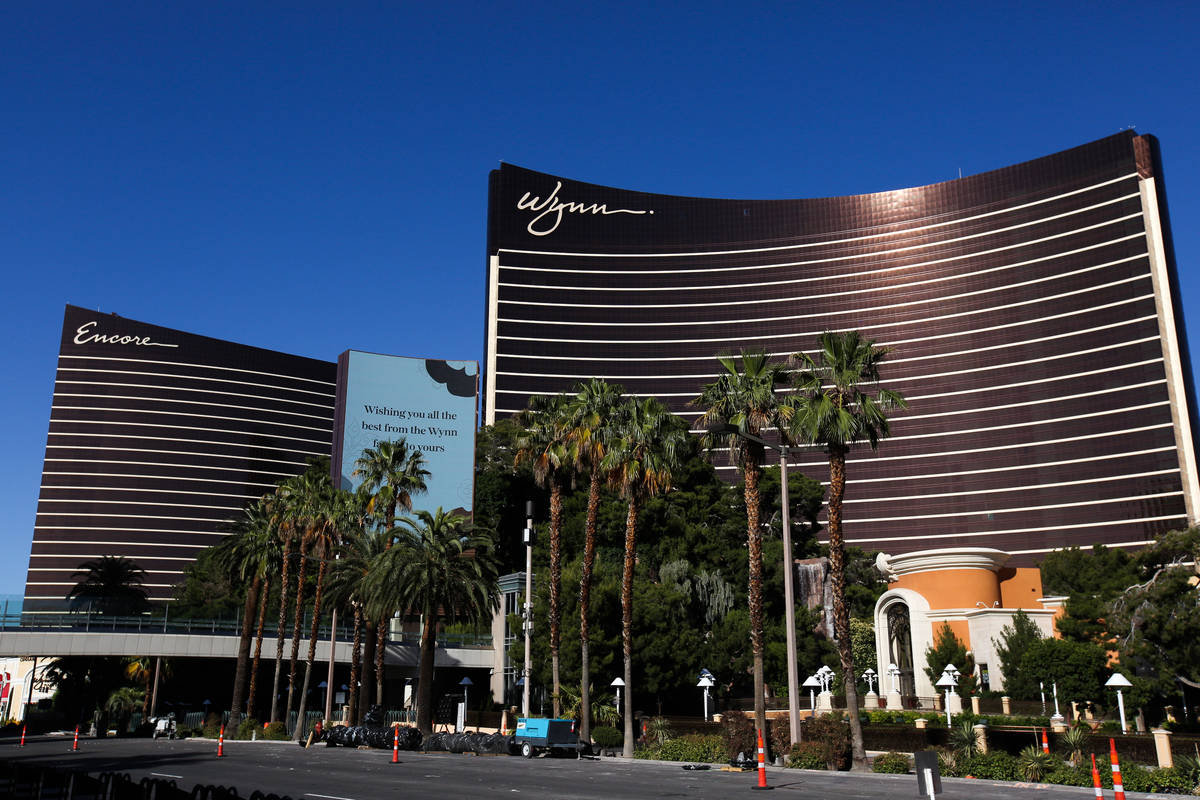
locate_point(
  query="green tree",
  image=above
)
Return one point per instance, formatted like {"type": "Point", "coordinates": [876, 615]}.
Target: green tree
{"type": "Point", "coordinates": [949, 649]}
{"type": "Point", "coordinates": [833, 408]}
{"type": "Point", "coordinates": [589, 438]}
{"type": "Point", "coordinates": [1010, 648]}
{"type": "Point", "coordinates": [122, 703]}
{"type": "Point", "coordinates": [743, 400]}
{"type": "Point", "coordinates": [392, 473]}
{"type": "Point", "coordinates": [647, 443]}
{"type": "Point", "coordinates": [1079, 668]}
{"type": "Point", "coordinates": [544, 445]}
{"type": "Point", "coordinates": [249, 554]}
{"type": "Point", "coordinates": [109, 585]}
{"type": "Point", "coordinates": [441, 569]}
{"type": "Point", "coordinates": [306, 504]}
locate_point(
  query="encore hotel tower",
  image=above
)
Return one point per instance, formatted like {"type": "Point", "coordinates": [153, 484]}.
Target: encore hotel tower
{"type": "Point", "coordinates": [1032, 314]}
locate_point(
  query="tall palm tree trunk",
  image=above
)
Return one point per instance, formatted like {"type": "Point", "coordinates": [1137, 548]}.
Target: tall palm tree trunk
{"type": "Point", "coordinates": [627, 620]}
{"type": "Point", "coordinates": [243, 656]}
{"type": "Point", "coordinates": [555, 588]}
{"type": "Point", "coordinates": [841, 613]}
{"type": "Point", "coordinates": [297, 619]}
{"type": "Point", "coordinates": [258, 640]}
{"type": "Point", "coordinates": [312, 647]}
{"type": "Point", "coordinates": [585, 599]}
{"type": "Point", "coordinates": [425, 672]}
{"type": "Point", "coordinates": [366, 689]}
{"type": "Point", "coordinates": [381, 640]}
{"type": "Point", "coordinates": [355, 655]}
{"type": "Point", "coordinates": [754, 594]}
{"type": "Point", "coordinates": [283, 606]}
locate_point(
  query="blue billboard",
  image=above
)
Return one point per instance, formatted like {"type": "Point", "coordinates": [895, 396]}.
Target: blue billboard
{"type": "Point", "coordinates": [428, 403]}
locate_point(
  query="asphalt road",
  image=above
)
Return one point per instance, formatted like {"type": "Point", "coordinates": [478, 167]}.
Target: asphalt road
{"type": "Point", "coordinates": [336, 773]}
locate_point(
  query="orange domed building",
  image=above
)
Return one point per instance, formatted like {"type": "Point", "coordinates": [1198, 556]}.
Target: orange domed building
{"type": "Point", "coordinates": [969, 588]}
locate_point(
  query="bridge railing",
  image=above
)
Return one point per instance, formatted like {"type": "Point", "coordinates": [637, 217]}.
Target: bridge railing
{"type": "Point", "coordinates": [90, 622]}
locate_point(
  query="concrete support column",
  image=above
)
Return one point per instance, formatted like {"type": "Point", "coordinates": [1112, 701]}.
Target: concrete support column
{"type": "Point", "coordinates": [975, 706]}
{"type": "Point", "coordinates": [1162, 747]}
{"type": "Point", "coordinates": [981, 742]}
{"type": "Point", "coordinates": [1006, 705]}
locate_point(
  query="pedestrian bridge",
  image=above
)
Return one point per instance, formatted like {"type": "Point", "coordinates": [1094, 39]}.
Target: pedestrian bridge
{"type": "Point", "coordinates": [88, 634]}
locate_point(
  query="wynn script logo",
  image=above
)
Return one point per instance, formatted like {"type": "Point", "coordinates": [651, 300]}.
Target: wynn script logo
{"type": "Point", "coordinates": [84, 335]}
{"type": "Point", "coordinates": [550, 211]}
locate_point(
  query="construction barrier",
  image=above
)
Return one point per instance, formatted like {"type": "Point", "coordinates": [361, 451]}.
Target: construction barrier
{"type": "Point", "coordinates": [1096, 779]}
{"type": "Point", "coordinates": [762, 764]}
{"type": "Point", "coordinates": [1118, 787]}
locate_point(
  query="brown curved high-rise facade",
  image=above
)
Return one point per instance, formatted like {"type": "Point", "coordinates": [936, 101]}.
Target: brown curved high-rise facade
{"type": "Point", "coordinates": [1032, 314]}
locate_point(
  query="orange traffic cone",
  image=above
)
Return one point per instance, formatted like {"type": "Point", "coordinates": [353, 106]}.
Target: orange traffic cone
{"type": "Point", "coordinates": [396, 745]}
{"type": "Point", "coordinates": [1045, 742]}
{"type": "Point", "coordinates": [762, 765]}
{"type": "Point", "coordinates": [23, 735]}
{"type": "Point", "coordinates": [1096, 779]}
{"type": "Point", "coordinates": [75, 746]}
{"type": "Point", "coordinates": [221, 743]}
{"type": "Point", "coordinates": [1118, 788]}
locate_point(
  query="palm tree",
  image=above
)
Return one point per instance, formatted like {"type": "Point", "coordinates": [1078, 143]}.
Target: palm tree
{"type": "Point", "coordinates": [391, 473]}
{"type": "Point", "coordinates": [743, 400]}
{"type": "Point", "coordinates": [249, 553]}
{"type": "Point", "coordinates": [286, 531]}
{"type": "Point", "coordinates": [110, 585]}
{"type": "Point", "coordinates": [141, 669]}
{"type": "Point", "coordinates": [443, 569]}
{"type": "Point", "coordinates": [591, 412]}
{"type": "Point", "coordinates": [832, 407]}
{"type": "Point", "coordinates": [648, 441]}
{"type": "Point", "coordinates": [307, 499]}
{"type": "Point", "coordinates": [340, 514]}
{"type": "Point", "coordinates": [349, 587]}
{"type": "Point", "coordinates": [543, 444]}
{"type": "Point", "coordinates": [122, 703]}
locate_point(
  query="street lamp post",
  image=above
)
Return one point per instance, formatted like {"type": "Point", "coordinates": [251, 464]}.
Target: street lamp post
{"type": "Point", "coordinates": [466, 684]}
{"type": "Point", "coordinates": [789, 608]}
{"type": "Point", "coordinates": [1119, 682]}
{"type": "Point", "coordinates": [617, 683]}
{"type": "Point", "coordinates": [1058, 718]}
{"type": "Point", "coordinates": [948, 681]}
{"type": "Point", "coordinates": [1042, 691]}
{"type": "Point", "coordinates": [528, 616]}
{"type": "Point", "coordinates": [872, 699]}
{"type": "Point", "coordinates": [706, 681]}
{"type": "Point", "coordinates": [813, 683]}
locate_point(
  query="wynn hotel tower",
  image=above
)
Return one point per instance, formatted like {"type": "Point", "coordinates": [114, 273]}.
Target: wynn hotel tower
{"type": "Point", "coordinates": [1032, 314]}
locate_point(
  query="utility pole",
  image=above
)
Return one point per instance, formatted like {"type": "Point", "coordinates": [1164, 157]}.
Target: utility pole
{"type": "Point", "coordinates": [528, 616]}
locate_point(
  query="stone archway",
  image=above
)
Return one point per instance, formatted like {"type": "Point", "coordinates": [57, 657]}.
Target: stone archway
{"type": "Point", "coordinates": [899, 639]}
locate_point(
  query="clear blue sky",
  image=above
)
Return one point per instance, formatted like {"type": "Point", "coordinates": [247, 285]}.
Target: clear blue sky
{"type": "Point", "coordinates": [313, 177]}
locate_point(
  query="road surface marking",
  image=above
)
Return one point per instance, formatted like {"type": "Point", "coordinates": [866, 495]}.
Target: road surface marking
{"type": "Point", "coordinates": [165, 775]}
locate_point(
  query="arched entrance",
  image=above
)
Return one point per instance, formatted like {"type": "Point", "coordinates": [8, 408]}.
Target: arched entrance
{"type": "Point", "coordinates": [899, 638]}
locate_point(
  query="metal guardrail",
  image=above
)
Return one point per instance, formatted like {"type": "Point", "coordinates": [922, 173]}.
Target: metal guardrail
{"type": "Point", "coordinates": [86, 622]}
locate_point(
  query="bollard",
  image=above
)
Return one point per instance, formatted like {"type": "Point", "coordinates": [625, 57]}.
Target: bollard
{"type": "Point", "coordinates": [221, 743]}
{"type": "Point", "coordinates": [1118, 787]}
{"type": "Point", "coordinates": [396, 745]}
{"type": "Point", "coordinates": [1096, 779]}
{"type": "Point", "coordinates": [75, 746]}
{"type": "Point", "coordinates": [762, 764]}
{"type": "Point", "coordinates": [1045, 742]}
{"type": "Point", "coordinates": [23, 735]}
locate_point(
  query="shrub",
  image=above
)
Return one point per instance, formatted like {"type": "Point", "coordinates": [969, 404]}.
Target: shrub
{"type": "Point", "coordinates": [964, 739]}
{"type": "Point", "coordinates": [1034, 764]}
{"type": "Point", "coordinates": [708, 749]}
{"type": "Point", "coordinates": [247, 728]}
{"type": "Point", "coordinates": [183, 733]}
{"type": "Point", "coordinates": [276, 731]}
{"type": "Point", "coordinates": [1171, 780]}
{"type": "Point", "coordinates": [994, 765]}
{"type": "Point", "coordinates": [832, 733]}
{"type": "Point", "coordinates": [658, 731]}
{"type": "Point", "coordinates": [892, 763]}
{"type": "Point", "coordinates": [1066, 775]}
{"type": "Point", "coordinates": [212, 725]}
{"type": "Point", "coordinates": [807, 755]}
{"type": "Point", "coordinates": [779, 734]}
{"type": "Point", "coordinates": [607, 737]}
{"type": "Point", "coordinates": [737, 731]}
{"type": "Point", "coordinates": [1074, 744]}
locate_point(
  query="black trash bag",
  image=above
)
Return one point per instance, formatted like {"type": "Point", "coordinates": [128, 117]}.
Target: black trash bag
{"type": "Point", "coordinates": [373, 732]}
{"type": "Point", "coordinates": [493, 744]}
{"type": "Point", "coordinates": [434, 743]}
{"type": "Point", "coordinates": [410, 738]}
